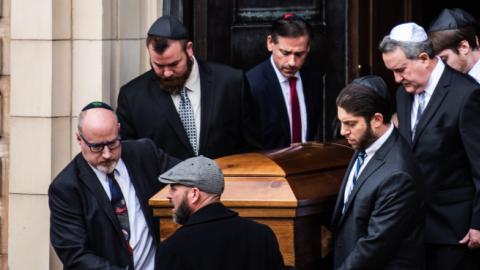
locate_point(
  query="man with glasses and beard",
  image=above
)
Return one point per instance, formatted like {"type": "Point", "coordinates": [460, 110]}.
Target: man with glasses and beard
{"type": "Point", "coordinates": [378, 218]}
{"type": "Point", "coordinates": [212, 237]}
{"type": "Point", "coordinates": [100, 218]}
{"type": "Point", "coordinates": [186, 106]}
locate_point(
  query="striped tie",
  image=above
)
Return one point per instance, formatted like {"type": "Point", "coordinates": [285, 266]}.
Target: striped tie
{"type": "Point", "coordinates": [356, 170]}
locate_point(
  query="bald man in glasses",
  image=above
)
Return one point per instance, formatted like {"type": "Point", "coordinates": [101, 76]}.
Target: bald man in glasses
{"type": "Point", "coordinates": [100, 218]}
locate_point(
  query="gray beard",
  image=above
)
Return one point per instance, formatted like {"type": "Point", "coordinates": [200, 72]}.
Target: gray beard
{"type": "Point", "coordinates": [106, 169]}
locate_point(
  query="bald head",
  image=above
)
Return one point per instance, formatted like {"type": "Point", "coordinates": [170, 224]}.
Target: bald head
{"type": "Point", "coordinates": [97, 118]}
{"type": "Point", "coordinates": [98, 138]}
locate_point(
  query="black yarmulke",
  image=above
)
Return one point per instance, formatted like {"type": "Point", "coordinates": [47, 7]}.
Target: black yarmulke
{"type": "Point", "coordinates": [168, 27]}
{"type": "Point", "coordinates": [452, 19]}
{"type": "Point", "coordinates": [374, 83]}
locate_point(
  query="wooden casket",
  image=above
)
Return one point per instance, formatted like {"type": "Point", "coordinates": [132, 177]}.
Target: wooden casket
{"type": "Point", "coordinates": [292, 190]}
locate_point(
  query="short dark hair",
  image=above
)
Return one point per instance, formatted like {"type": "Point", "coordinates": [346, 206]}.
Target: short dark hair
{"type": "Point", "coordinates": [360, 100]}
{"type": "Point", "coordinates": [160, 44]}
{"type": "Point", "coordinates": [291, 25]}
{"type": "Point", "coordinates": [451, 38]}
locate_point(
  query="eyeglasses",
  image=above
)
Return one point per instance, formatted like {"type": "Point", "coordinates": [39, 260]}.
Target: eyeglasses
{"type": "Point", "coordinates": [98, 147]}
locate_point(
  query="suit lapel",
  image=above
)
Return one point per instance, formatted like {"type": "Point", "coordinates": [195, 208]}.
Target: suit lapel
{"type": "Point", "coordinates": [405, 101]}
{"type": "Point", "coordinates": [337, 212]}
{"type": "Point", "coordinates": [134, 175]}
{"type": "Point", "coordinates": [276, 97]}
{"type": "Point", "coordinates": [373, 165]}
{"type": "Point", "coordinates": [437, 98]}
{"type": "Point", "coordinates": [207, 100]}
{"type": "Point", "coordinates": [308, 97]}
{"type": "Point", "coordinates": [89, 178]}
{"type": "Point", "coordinates": [164, 101]}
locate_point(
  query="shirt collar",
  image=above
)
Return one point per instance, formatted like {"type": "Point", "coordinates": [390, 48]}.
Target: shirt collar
{"type": "Point", "coordinates": [194, 76]}
{"type": "Point", "coordinates": [475, 71]}
{"type": "Point", "coordinates": [280, 76]}
{"type": "Point", "coordinates": [435, 77]}
{"type": "Point", "coordinates": [372, 149]}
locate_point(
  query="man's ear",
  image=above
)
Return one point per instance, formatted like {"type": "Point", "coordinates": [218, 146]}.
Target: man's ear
{"type": "Point", "coordinates": [194, 195]}
{"type": "Point", "coordinates": [189, 49]}
{"type": "Point", "coordinates": [79, 139]}
{"type": "Point", "coordinates": [464, 48]}
{"type": "Point", "coordinates": [270, 43]}
{"type": "Point", "coordinates": [377, 120]}
{"type": "Point", "coordinates": [423, 56]}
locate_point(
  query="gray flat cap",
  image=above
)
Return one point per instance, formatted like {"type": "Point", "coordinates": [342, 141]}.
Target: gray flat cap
{"type": "Point", "coordinates": [168, 27]}
{"type": "Point", "coordinates": [452, 19]}
{"type": "Point", "coordinates": [200, 172]}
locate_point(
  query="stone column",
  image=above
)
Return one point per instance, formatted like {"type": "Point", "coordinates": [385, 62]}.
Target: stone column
{"type": "Point", "coordinates": [40, 123]}
{"type": "Point", "coordinates": [64, 54]}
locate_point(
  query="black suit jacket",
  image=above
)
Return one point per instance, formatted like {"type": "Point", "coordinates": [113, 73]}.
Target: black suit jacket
{"type": "Point", "coordinates": [273, 111]}
{"type": "Point", "coordinates": [229, 117]}
{"type": "Point", "coordinates": [84, 230]}
{"type": "Point", "coordinates": [382, 226]}
{"type": "Point", "coordinates": [447, 147]}
{"type": "Point", "coordinates": [216, 238]}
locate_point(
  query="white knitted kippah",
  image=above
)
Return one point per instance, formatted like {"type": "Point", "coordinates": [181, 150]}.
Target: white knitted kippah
{"type": "Point", "coordinates": [410, 32]}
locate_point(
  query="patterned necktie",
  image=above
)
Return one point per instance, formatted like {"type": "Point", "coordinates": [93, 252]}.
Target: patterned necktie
{"type": "Point", "coordinates": [120, 207]}
{"type": "Point", "coordinates": [295, 110]}
{"type": "Point", "coordinates": [186, 115]}
{"type": "Point", "coordinates": [356, 170]}
{"type": "Point", "coordinates": [420, 109]}
{"type": "Point", "coordinates": [358, 164]}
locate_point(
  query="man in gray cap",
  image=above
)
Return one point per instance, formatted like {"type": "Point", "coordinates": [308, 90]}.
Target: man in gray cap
{"type": "Point", "coordinates": [454, 40]}
{"type": "Point", "coordinates": [378, 218]}
{"type": "Point", "coordinates": [186, 106]}
{"type": "Point", "coordinates": [212, 236]}
{"type": "Point", "coordinates": [438, 109]}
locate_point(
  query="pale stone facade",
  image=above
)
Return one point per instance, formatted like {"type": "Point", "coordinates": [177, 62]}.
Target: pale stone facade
{"type": "Point", "coordinates": [62, 55]}
{"type": "Point", "coordinates": [4, 126]}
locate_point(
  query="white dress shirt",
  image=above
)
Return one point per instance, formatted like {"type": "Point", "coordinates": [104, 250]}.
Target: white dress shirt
{"type": "Point", "coordinates": [475, 71]}
{"type": "Point", "coordinates": [370, 152]}
{"type": "Point", "coordinates": [429, 89]}
{"type": "Point", "coordinates": [194, 94]}
{"type": "Point", "coordinates": [141, 240]}
{"type": "Point", "coordinates": [285, 85]}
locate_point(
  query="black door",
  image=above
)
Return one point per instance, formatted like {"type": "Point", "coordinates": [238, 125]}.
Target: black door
{"type": "Point", "coordinates": [234, 32]}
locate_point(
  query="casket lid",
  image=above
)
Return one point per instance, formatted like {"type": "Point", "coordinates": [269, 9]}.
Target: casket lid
{"type": "Point", "coordinates": [305, 158]}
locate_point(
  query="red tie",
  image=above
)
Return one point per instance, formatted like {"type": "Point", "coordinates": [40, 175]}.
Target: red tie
{"type": "Point", "coordinates": [295, 109]}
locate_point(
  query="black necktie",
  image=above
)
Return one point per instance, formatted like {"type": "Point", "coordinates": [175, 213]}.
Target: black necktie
{"type": "Point", "coordinates": [120, 207]}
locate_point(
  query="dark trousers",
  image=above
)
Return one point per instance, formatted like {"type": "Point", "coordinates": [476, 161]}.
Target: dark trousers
{"type": "Point", "coordinates": [452, 257]}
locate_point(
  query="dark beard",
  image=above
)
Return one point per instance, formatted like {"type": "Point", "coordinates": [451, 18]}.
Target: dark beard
{"type": "Point", "coordinates": [367, 138]}
{"type": "Point", "coordinates": [183, 213]}
{"type": "Point", "coordinates": [173, 85]}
